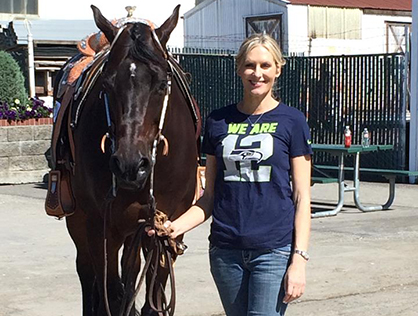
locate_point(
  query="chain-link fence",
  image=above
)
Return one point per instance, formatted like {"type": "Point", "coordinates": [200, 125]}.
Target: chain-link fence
{"type": "Point", "coordinates": [333, 91]}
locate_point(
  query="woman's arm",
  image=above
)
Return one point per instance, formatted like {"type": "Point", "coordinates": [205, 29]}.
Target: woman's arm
{"type": "Point", "coordinates": [202, 210]}
{"type": "Point", "coordinates": [295, 279]}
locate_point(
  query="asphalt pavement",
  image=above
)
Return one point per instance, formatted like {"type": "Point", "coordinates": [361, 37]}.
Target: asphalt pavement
{"type": "Point", "coordinates": [361, 263]}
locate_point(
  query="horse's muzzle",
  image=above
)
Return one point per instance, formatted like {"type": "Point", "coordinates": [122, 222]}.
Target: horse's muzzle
{"type": "Point", "coordinates": [133, 174]}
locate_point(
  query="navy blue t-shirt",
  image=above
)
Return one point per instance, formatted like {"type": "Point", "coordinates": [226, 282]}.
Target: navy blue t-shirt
{"type": "Point", "coordinates": [253, 205]}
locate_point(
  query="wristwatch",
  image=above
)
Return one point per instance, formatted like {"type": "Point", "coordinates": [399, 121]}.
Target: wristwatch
{"type": "Point", "coordinates": [302, 253]}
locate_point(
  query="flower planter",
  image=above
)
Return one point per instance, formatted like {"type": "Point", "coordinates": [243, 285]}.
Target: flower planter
{"type": "Point", "coordinates": [22, 150]}
{"type": "Point", "coordinates": [40, 121]}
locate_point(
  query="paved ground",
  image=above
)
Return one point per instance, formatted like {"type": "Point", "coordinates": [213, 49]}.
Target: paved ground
{"type": "Point", "coordinates": [362, 264]}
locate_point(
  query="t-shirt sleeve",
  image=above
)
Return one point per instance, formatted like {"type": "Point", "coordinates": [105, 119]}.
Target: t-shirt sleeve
{"type": "Point", "coordinates": [207, 144]}
{"type": "Point", "coordinates": [301, 138]}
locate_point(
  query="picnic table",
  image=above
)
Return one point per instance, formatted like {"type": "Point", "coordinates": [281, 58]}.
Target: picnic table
{"type": "Point", "coordinates": [341, 151]}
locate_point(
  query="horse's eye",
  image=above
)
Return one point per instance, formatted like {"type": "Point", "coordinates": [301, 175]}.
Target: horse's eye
{"type": "Point", "coordinates": [108, 83]}
{"type": "Point", "coordinates": [163, 87]}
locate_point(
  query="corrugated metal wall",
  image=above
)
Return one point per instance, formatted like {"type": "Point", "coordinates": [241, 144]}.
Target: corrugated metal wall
{"type": "Point", "coordinates": [220, 24]}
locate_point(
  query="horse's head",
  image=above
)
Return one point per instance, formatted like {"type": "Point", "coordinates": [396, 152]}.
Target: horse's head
{"type": "Point", "coordinates": [135, 82]}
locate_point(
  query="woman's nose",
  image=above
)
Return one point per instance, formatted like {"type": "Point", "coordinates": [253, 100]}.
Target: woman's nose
{"type": "Point", "coordinates": [257, 72]}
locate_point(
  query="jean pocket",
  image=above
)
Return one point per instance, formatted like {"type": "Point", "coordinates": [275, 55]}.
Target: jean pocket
{"type": "Point", "coordinates": [284, 251]}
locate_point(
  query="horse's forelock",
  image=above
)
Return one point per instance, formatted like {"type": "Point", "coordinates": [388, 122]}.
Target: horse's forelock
{"type": "Point", "coordinates": [143, 48]}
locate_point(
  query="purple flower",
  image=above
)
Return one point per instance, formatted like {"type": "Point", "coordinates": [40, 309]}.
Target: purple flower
{"type": "Point", "coordinates": [20, 111]}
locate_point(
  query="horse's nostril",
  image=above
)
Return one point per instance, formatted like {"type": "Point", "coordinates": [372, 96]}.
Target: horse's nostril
{"type": "Point", "coordinates": [135, 170]}
{"type": "Point", "coordinates": [143, 163]}
{"type": "Point", "coordinates": [116, 165]}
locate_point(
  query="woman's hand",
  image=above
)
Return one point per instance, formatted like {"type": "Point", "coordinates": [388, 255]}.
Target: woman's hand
{"type": "Point", "coordinates": [169, 226]}
{"type": "Point", "coordinates": [295, 279]}
{"type": "Point", "coordinates": [199, 212]}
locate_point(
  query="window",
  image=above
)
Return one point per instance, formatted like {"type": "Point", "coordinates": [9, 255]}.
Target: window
{"type": "Point", "coordinates": [270, 24]}
{"type": "Point", "coordinates": [334, 23]}
{"type": "Point", "coordinates": [19, 7]}
{"type": "Point", "coordinates": [396, 33]}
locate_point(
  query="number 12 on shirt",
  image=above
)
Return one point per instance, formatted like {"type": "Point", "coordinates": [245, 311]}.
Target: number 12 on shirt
{"type": "Point", "coordinates": [243, 157]}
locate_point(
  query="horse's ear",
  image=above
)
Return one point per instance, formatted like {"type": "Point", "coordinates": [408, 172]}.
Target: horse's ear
{"type": "Point", "coordinates": [104, 25]}
{"type": "Point", "coordinates": [164, 31]}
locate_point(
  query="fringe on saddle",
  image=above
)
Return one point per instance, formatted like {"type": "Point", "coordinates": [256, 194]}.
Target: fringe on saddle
{"type": "Point", "coordinates": [79, 76]}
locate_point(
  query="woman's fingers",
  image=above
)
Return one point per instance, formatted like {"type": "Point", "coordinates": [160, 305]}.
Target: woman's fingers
{"type": "Point", "coordinates": [151, 232]}
{"type": "Point", "coordinates": [294, 290]}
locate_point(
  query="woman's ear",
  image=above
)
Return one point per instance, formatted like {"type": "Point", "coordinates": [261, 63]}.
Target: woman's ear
{"type": "Point", "coordinates": [238, 70]}
{"type": "Point", "coordinates": [278, 71]}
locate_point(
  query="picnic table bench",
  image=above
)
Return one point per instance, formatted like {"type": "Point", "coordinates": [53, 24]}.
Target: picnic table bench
{"type": "Point", "coordinates": [340, 151]}
{"type": "Point", "coordinates": [390, 174]}
{"type": "Point", "coordinates": [323, 180]}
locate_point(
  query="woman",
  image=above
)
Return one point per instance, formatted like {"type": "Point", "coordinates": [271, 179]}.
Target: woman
{"type": "Point", "coordinates": [260, 228]}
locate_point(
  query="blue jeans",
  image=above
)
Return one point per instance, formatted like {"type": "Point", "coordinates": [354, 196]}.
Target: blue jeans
{"type": "Point", "coordinates": [250, 282]}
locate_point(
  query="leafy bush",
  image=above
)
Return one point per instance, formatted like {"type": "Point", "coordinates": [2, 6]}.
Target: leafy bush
{"type": "Point", "coordinates": [12, 82]}
{"type": "Point", "coordinates": [20, 112]}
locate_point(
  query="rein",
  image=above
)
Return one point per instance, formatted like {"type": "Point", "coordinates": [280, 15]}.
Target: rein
{"type": "Point", "coordinates": [161, 250]}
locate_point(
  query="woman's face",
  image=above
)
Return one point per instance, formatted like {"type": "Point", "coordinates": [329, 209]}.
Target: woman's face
{"type": "Point", "coordinates": [258, 71]}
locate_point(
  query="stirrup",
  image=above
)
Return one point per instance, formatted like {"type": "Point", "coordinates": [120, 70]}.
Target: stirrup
{"type": "Point", "coordinates": [59, 200]}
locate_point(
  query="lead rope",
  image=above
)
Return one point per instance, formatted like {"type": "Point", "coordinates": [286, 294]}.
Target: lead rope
{"type": "Point", "coordinates": [152, 204]}
{"type": "Point", "coordinates": [112, 193]}
{"type": "Point", "coordinates": [110, 197]}
{"type": "Point", "coordinates": [152, 211]}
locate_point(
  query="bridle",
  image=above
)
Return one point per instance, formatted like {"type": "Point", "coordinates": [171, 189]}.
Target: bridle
{"type": "Point", "coordinates": [159, 137]}
{"type": "Point", "coordinates": [162, 249]}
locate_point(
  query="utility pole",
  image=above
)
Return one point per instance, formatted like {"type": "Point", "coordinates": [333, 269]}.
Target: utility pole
{"type": "Point", "coordinates": [413, 128]}
{"type": "Point", "coordinates": [31, 60]}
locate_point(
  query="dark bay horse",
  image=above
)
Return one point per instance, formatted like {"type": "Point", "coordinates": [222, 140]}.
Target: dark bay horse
{"type": "Point", "coordinates": [127, 102]}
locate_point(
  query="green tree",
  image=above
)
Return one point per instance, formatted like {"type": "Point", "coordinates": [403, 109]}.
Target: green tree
{"type": "Point", "coordinates": [12, 82]}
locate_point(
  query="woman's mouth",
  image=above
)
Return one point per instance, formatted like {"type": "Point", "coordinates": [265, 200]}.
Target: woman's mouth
{"type": "Point", "coordinates": [256, 84]}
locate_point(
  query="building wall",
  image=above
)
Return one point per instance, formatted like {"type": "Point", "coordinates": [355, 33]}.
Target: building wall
{"type": "Point", "coordinates": [374, 31]}
{"type": "Point", "coordinates": [373, 35]}
{"type": "Point", "coordinates": [220, 23]}
{"type": "Point", "coordinates": [298, 29]}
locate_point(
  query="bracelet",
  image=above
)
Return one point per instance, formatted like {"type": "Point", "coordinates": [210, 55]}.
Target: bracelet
{"type": "Point", "coordinates": [302, 253]}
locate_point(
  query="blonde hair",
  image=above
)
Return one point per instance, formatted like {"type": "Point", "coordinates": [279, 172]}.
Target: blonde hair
{"type": "Point", "coordinates": [264, 40]}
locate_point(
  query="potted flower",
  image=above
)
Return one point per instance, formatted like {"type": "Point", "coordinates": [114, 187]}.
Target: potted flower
{"type": "Point", "coordinates": [34, 112]}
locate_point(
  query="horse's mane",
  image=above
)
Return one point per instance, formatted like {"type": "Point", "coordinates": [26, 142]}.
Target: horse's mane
{"type": "Point", "coordinates": [141, 49]}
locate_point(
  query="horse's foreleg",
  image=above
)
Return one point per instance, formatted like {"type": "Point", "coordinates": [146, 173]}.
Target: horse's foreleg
{"type": "Point", "coordinates": [76, 225]}
{"type": "Point", "coordinates": [131, 265]}
{"type": "Point", "coordinates": [104, 250]}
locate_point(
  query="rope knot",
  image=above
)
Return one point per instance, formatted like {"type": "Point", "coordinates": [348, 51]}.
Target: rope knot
{"type": "Point", "coordinates": [163, 231]}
